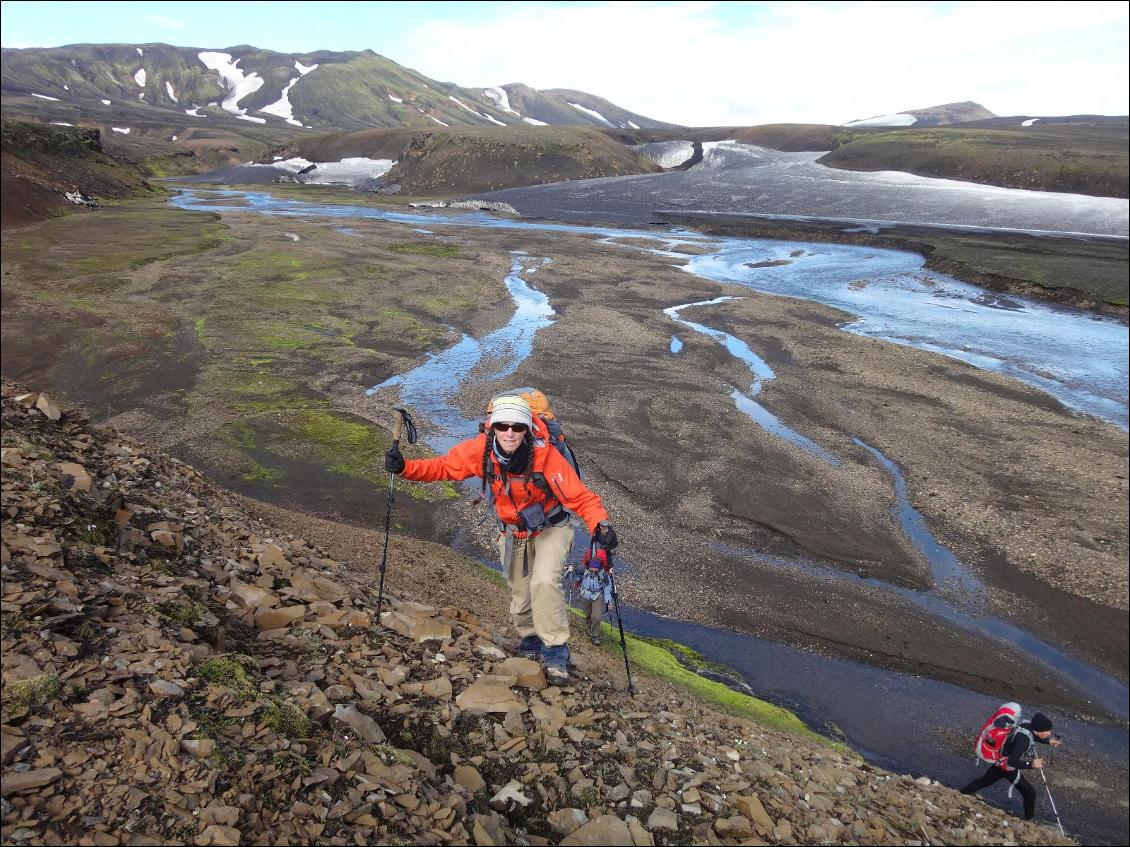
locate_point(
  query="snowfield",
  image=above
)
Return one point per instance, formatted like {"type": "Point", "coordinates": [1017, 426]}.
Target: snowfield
{"type": "Point", "coordinates": [885, 120]}
{"type": "Point", "coordinates": [666, 154]}
{"type": "Point", "coordinates": [237, 84]}
{"type": "Point", "coordinates": [353, 171]}
{"type": "Point", "coordinates": [591, 113]}
{"type": "Point", "coordinates": [746, 179]}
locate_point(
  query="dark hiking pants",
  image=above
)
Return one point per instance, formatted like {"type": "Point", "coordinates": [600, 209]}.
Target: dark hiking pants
{"type": "Point", "coordinates": [1023, 786]}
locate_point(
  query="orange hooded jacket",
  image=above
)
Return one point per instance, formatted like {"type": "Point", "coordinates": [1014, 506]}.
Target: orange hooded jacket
{"type": "Point", "coordinates": [465, 460]}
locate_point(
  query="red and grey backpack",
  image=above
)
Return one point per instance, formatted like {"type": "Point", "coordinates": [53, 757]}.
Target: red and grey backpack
{"type": "Point", "coordinates": [995, 733]}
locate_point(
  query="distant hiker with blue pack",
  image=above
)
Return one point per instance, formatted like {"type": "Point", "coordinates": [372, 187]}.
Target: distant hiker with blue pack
{"type": "Point", "coordinates": [529, 476]}
{"type": "Point", "coordinates": [592, 577]}
{"type": "Point", "coordinates": [1008, 745]}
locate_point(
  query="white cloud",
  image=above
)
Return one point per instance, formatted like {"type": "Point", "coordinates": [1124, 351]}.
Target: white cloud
{"type": "Point", "coordinates": [813, 62]}
{"type": "Point", "coordinates": [171, 23]}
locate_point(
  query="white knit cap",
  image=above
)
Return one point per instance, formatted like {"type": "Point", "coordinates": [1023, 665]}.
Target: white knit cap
{"type": "Point", "coordinates": [511, 409]}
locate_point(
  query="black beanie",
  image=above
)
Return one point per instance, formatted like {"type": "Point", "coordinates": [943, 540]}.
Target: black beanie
{"type": "Point", "coordinates": [1041, 723]}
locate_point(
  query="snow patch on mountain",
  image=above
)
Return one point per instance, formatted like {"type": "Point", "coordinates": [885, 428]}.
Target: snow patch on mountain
{"type": "Point", "coordinates": [169, 90]}
{"type": "Point", "coordinates": [475, 113]}
{"type": "Point", "coordinates": [304, 69]}
{"type": "Point", "coordinates": [283, 107]}
{"type": "Point", "coordinates": [426, 115]}
{"type": "Point", "coordinates": [60, 123]}
{"type": "Point", "coordinates": [394, 98]}
{"type": "Point", "coordinates": [105, 102]}
{"type": "Point", "coordinates": [499, 96]}
{"type": "Point", "coordinates": [666, 154]}
{"type": "Point", "coordinates": [252, 119]}
{"type": "Point", "coordinates": [596, 115]}
{"type": "Point", "coordinates": [140, 52]}
{"type": "Point", "coordinates": [194, 112]}
{"type": "Point", "coordinates": [1029, 122]}
{"type": "Point", "coordinates": [237, 83]}
{"type": "Point", "coordinates": [901, 119]}
{"type": "Point", "coordinates": [139, 77]}
{"type": "Point", "coordinates": [124, 130]}
{"type": "Point", "coordinates": [534, 122]}
{"type": "Point", "coordinates": [45, 97]}
{"type": "Point", "coordinates": [352, 171]}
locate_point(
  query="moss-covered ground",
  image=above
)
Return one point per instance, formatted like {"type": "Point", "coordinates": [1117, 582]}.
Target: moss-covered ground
{"type": "Point", "coordinates": [257, 345]}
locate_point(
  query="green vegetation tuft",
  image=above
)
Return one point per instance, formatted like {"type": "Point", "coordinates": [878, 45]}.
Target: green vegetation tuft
{"type": "Point", "coordinates": [288, 720]}
{"type": "Point", "coordinates": [185, 614]}
{"type": "Point", "coordinates": [658, 658]}
{"type": "Point", "coordinates": [231, 672]}
{"type": "Point", "coordinates": [426, 248]}
{"type": "Point", "coordinates": [32, 693]}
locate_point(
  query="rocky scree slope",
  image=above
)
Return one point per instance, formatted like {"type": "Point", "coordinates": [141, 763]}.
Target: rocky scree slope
{"type": "Point", "coordinates": [176, 672]}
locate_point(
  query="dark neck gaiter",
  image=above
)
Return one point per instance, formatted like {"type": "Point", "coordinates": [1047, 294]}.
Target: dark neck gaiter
{"type": "Point", "coordinates": [516, 462]}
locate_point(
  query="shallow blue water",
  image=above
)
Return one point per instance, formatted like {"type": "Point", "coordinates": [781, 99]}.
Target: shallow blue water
{"type": "Point", "coordinates": [1080, 359]}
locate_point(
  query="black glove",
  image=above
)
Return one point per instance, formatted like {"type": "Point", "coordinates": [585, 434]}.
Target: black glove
{"type": "Point", "coordinates": [394, 462]}
{"type": "Point", "coordinates": [606, 536]}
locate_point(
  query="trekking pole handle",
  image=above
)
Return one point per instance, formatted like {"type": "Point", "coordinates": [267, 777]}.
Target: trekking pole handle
{"type": "Point", "coordinates": [397, 426]}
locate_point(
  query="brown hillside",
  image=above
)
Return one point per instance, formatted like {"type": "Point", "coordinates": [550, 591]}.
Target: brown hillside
{"type": "Point", "coordinates": [41, 164]}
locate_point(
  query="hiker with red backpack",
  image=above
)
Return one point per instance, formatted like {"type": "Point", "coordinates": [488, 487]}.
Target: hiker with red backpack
{"type": "Point", "coordinates": [534, 488]}
{"type": "Point", "coordinates": [593, 578]}
{"type": "Point", "coordinates": [1007, 744]}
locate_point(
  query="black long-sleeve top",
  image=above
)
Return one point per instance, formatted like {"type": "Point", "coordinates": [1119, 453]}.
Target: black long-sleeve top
{"type": "Point", "coordinates": [1018, 747]}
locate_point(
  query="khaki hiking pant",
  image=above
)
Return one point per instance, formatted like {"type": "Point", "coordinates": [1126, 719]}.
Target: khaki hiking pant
{"type": "Point", "coordinates": [537, 603]}
{"type": "Point", "coordinates": [594, 611]}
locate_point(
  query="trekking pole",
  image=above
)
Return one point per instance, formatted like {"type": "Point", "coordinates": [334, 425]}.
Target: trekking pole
{"type": "Point", "coordinates": [401, 421]}
{"type": "Point", "coordinates": [1051, 800]}
{"type": "Point", "coordinates": [1051, 761]}
{"type": "Point", "coordinates": [620, 623]}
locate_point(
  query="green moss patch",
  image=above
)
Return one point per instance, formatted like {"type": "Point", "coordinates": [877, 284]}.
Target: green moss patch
{"type": "Point", "coordinates": [426, 248]}
{"type": "Point", "coordinates": [658, 657]}
{"type": "Point", "coordinates": [32, 693]}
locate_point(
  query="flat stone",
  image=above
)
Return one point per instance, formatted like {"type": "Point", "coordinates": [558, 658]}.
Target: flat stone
{"type": "Point", "coordinates": [489, 696]}
{"type": "Point", "coordinates": [201, 748]}
{"type": "Point", "coordinates": [469, 778]}
{"type": "Point", "coordinates": [252, 596]}
{"type": "Point", "coordinates": [439, 688]}
{"type": "Point", "coordinates": [165, 688]}
{"type": "Point", "coordinates": [606, 829]}
{"type": "Point", "coordinates": [429, 629]}
{"type": "Point", "coordinates": [360, 723]}
{"type": "Point", "coordinates": [663, 820]}
{"type": "Point", "coordinates": [567, 821]}
{"type": "Point", "coordinates": [48, 407]}
{"type": "Point", "coordinates": [750, 807]}
{"type": "Point", "coordinates": [272, 556]}
{"type": "Point", "coordinates": [219, 814]}
{"type": "Point", "coordinates": [220, 836]}
{"type": "Point", "coordinates": [280, 617]}
{"type": "Point", "coordinates": [80, 479]}
{"type": "Point", "coordinates": [527, 672]}
{"type": "Point", "coordinates": [738, 826]}
{"type": "Point", "coordinates": [17, 781]}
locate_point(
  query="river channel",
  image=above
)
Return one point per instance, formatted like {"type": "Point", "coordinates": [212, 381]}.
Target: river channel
{"type": "Point", "coordinates": [1078, 358]}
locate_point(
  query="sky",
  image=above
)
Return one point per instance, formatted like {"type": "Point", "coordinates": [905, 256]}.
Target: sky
{"type": "Point", "coordinates": [691, 63]}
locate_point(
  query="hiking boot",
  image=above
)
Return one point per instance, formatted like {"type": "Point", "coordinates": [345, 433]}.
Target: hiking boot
{"type": "Point", "coordinates": [556, 664]}
{"type": "Point", "coordinates": [530, 647]}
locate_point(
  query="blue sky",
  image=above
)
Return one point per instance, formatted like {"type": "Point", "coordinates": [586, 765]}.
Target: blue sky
{"type": "Point", "coordinates": [698, 63]}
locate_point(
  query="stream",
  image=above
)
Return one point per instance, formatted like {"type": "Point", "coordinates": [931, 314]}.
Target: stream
{"type": "Point", "coordinates": [1078, 358]}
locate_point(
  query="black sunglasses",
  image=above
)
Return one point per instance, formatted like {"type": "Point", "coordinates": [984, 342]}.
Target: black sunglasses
{"type": "Point", "coordinates": [506, 427]}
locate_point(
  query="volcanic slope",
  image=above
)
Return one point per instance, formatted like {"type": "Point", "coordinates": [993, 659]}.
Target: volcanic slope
{"type": "Point", "coordinates": [323, 90]}
{"type": "Point", "coordinates": [175, 669]}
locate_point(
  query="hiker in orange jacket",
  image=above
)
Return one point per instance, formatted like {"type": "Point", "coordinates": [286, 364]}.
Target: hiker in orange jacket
{"type": "Point", "coordinates": [534, 489]}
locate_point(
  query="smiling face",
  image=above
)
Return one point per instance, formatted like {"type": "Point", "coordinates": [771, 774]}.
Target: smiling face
{"type": "Point", "coordinates": [508, 439]}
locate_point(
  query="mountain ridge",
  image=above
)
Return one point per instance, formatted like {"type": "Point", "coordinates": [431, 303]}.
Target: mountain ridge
{"type": "Point", "coordinates": [317, 90]}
